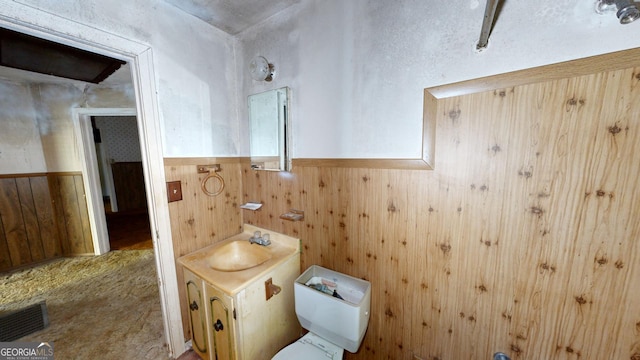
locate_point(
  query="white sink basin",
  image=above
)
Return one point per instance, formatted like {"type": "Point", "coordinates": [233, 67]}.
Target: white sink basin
{"type": "Point", "coordinates": [238, 255]}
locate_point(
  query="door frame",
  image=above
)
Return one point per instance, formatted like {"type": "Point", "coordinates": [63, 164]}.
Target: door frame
{"type": "Point", "coordinates": [32, 21]}
{"type": "Point", "coordinates": [90, 171]}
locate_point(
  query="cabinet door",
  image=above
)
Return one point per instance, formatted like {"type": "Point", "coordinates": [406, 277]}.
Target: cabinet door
{"type": "Point", "coordinates": [197, 316]}
{"type": "Point", "coordinates": [221, 322]}
{"type": "Point", "coordinates": [268, 325]}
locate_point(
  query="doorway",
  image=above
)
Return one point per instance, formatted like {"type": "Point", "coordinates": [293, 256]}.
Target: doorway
{"type": "Point", "coordinates": [28, 20]}
{"type": "Point", "coordinates": [119, 159]}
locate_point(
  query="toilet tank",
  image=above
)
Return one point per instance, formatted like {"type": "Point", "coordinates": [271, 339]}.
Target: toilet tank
{"type": "Point", "coordinates": [340, 321]}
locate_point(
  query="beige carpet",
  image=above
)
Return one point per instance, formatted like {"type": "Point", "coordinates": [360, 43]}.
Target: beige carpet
{"type": "Point", "coordinates": [103, 307]}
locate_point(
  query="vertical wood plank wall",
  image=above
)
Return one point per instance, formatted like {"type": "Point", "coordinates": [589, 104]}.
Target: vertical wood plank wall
{"type": "Point", "coordinates": [42, 216]}
{"type": "Point", "coordinates": [128, 181]}
{"type": "Point", "coordinates": [199, 220]}
{"type": "Point", "coordinates": [524, 239]}
{"type": "Point", "coordinates": [22, 219]}
{"type": "Point", "coordinates": [71, 212]}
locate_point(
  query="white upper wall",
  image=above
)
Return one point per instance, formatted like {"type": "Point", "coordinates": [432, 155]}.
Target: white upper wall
{"type": "Point", "coordinates": [20, 145]}
{"type": "Point", "coordinates": [55, 120]}
{"type": "Point", "coordinates": [36, 127]}
{"type": "Point", "coordinates": [357, 69]}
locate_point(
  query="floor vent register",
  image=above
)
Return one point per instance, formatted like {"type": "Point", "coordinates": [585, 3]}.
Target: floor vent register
{"type": "Point", "coordinates": [18, 323]}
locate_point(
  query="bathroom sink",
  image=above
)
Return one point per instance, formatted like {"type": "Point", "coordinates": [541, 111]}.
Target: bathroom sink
{"type": "Point", "coordinates": [238, 255]}
{"type": "Point", "coordinates": [234, 263]}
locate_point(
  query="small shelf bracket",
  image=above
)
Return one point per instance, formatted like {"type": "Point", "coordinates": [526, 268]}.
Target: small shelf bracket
{"type": "Point", "coordinates": [293, 215]}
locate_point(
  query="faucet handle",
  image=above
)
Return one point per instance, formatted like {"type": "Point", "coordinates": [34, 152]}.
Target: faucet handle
{"type": "Point", "coordinates": [256, 234]}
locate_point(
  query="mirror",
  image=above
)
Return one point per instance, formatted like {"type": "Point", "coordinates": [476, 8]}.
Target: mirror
{"type": "Point", "coordinates": [268, 122]}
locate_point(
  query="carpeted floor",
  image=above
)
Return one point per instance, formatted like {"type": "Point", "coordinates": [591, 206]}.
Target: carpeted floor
{"type": "Point", "coordinates": [103, 307]}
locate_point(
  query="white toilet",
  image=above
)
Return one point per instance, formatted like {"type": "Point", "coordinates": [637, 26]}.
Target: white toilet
{"type": "Point", "coordinates": [334, 307]}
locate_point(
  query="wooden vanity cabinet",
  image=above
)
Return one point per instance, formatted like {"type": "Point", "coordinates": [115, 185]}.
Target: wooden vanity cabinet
{"type": "Point", "coordinates": [245, 325]}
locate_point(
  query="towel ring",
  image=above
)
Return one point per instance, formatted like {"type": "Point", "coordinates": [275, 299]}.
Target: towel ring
{"type": "Point", "coordinates": [213, 174]}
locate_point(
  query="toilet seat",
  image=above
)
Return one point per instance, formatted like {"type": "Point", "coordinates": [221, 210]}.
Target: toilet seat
{"type": "Point", "coordinates": [310, 347]}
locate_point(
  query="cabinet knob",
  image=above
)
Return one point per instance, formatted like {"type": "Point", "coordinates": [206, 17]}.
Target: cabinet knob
{"type": "Point", "coordinates": [193, 306]}
{"type": "Point", "coordinates": [218, 325]}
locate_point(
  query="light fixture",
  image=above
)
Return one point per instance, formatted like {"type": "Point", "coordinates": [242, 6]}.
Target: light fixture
{"type": "Point", "coordinates": [260, 69]}
{"type": "Point", "coordinates": [626, 10]}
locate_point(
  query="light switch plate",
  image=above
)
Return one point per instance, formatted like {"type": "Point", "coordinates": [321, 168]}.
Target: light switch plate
{"type": "Point", "coordinates": [174, 191]}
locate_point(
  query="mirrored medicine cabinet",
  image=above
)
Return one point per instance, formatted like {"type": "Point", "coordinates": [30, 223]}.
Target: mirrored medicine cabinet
{"type": "Point", "coordinates": [269, 130]}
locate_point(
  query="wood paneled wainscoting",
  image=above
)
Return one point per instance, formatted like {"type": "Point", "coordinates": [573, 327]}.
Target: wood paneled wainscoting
{"type": "Point", "coordinates": [43, 216]}
{"type": "Point", "coordinates": [522, 239]}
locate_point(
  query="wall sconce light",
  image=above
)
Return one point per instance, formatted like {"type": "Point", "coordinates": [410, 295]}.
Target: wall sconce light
{"type": "Point", "coordinates": [260, 69]}
{"type": "Point", "coordinates": [626, 10]}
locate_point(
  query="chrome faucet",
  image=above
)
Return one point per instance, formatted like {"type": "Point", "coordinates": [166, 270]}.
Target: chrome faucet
{"type": "Point", "coordinates": [259, 239]}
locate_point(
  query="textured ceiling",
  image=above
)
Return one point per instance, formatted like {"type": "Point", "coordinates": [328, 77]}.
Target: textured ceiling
{"type": "Point", "coordinates": [232, 16]}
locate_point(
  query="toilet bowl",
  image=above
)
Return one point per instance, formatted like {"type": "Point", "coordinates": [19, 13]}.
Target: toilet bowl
{"type": "Point", "coordinates": [310, 347]}
{"type": "Point", "coordinates": [334, 307]}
